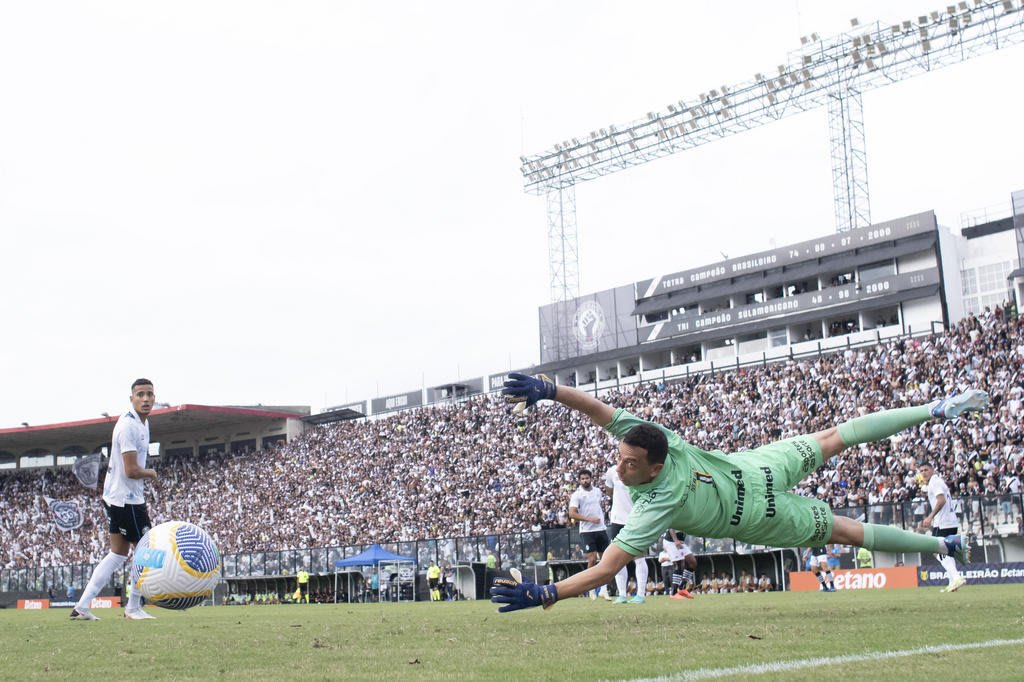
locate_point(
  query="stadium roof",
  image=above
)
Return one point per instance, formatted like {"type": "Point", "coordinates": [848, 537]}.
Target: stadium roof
{"type": "Point", "coordinates": [164, 423]}
{"type": "Point", "coordinates": [331, 416]}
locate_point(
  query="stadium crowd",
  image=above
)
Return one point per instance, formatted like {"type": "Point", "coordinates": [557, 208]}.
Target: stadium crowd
{"type": "Point", "coordinates": [472, 468]}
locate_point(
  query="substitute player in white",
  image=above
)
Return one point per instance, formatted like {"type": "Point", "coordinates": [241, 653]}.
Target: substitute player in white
{"type": "Point", "coordinates": [585, 508]}
{"type": "Point", "coordinates": [941, 520]}
{"type": "Point", "coordinates": [621, 506]}
{"type": "Point", "coordinates": [123, 499]}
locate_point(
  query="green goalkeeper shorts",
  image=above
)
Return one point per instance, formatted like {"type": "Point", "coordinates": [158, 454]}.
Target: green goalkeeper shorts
{"type": "Point", "coordinates": [787, 519]}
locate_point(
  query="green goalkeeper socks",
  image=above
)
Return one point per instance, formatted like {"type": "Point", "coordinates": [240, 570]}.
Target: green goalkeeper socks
{"type": "Point", "coordinates": [889, 539]}
{"type": "Point", "coordinates": [879, 425]}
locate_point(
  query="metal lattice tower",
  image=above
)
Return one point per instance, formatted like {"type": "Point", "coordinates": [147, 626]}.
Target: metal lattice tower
{"type": "Point", "coordinates": [563, 265]}
{"type": "Point", "coordinates": [563, 244]}
{"type": "Point", "coordinates": [832, 72]}
{"type": "Point", "coordinates": [849, 157]}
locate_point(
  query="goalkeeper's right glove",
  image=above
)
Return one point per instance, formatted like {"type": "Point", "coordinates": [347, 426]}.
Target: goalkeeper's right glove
{"type": "Point", "coordinates": [525, 390]}
{"type": "Point", "coordinates": [516, 593]}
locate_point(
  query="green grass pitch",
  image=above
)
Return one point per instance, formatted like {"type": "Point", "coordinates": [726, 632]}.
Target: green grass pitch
{"type": "Point", "coordinates": [576, 640]}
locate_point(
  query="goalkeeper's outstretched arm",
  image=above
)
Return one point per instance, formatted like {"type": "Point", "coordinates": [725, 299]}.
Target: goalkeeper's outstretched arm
{"type": "Point", "coordinates": [612, 561]}
{"type": "Point", "coordinates": [600, 413]}
{"type": "Point", "coordinates": [515, 593]}
{"type": "Point", "coordinates": [525, 391]}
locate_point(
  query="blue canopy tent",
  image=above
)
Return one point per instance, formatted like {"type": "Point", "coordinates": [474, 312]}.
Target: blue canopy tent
{"type": "Point", "coordinates": [377, 557]}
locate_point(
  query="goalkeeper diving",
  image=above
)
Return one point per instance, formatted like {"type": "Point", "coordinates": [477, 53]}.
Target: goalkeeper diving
{"type": "Point", "coordinates": [743, 496]}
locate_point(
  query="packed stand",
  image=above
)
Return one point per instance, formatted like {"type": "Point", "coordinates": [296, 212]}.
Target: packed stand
{"type": "Point", "coordinates": [473, 468]}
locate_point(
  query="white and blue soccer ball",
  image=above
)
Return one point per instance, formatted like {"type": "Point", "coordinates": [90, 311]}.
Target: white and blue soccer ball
{"type": "Point", "coordinates": [176, 565]}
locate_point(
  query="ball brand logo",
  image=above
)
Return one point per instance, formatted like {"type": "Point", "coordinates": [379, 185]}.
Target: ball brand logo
{"type": "Point", "coordinates": [150, 557]}
{"type": "Point", "coordinates": [588, 324]}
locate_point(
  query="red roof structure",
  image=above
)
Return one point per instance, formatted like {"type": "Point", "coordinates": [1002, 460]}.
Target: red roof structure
{"type": "Point", "coordinates": [179, 422]}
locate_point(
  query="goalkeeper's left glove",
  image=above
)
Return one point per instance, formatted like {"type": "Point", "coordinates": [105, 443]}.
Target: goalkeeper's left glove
{"type": "Point", "coordinates": [516, 593]}
{"type": "Point", "coordinates": [525, 390]}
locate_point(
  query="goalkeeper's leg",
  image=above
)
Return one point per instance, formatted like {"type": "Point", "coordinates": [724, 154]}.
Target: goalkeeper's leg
{"type": "Point", "coordinates": [847, 531]}
{"type": "Point", "coordinates": [879, 425]}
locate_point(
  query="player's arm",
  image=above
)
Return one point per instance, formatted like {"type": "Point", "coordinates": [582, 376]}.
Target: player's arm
{"type": "Point", "coordinates": [522, 388]}
{"type": "Point", "coordinates": [600, 413]}
{"type": "Point", "coordinates": [516, 593]}
{"type": "Point", "coordinates": [612, 561]}
{"type": "Point", "coordinates": [575, 515]}
{"type": "Point", "coordinates": [132, 468]}
{"type": "Point", "coordinates": [940, 502]}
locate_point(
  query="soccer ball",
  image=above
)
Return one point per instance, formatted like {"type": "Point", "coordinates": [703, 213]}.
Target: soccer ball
{"type": "Point", "coordinates": [176, 565]}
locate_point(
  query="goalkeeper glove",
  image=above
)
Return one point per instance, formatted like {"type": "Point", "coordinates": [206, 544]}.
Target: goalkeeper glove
{"type": "Point", "coordinates": [525, 390]}
{"type": "Point", "coordinates": [516, 593]}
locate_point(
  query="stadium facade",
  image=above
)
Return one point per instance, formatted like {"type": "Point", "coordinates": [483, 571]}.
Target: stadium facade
{"type": "Point", "coordinates": [903, 276]}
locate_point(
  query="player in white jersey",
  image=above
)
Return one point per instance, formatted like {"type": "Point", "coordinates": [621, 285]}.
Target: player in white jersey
{"type": "Point", "coordinates": [585, 508]}
{"type": "Point", "coordinates": [123, 499]}
{"type": "Point", "coordinates": [684, 563]}
{"type": "Point", "coordinates": [621, 506]}
{"type": "Point", "coordinates": [942, 520]}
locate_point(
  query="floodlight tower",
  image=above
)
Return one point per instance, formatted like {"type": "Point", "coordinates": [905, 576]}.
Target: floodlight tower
{"type": "Point", "coordinates": [833, 72]}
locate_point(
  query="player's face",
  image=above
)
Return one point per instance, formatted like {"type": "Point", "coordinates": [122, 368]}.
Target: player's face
{"type": "Point", "coordinates": [633, 467]}
{"type": "Point", "coordinates": [926, 472]}
{"type": "Point", "coordinates": [585, 481]}
{"type": "Point", "coordinates": [143, 398]}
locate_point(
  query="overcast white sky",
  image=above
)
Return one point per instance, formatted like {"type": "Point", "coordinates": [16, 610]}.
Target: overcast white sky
{"type": "Point", "coordinates": [319, 202]}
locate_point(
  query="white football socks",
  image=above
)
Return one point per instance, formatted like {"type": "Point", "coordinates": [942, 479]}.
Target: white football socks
{"type": "Point", "coordinates": [134, 601]}
{"type": "Point", "coordinates": [620, 581]}
{"type": "Point", "coordinates": [949, 563]}
{"type": "Point", "coordinates": [100, 577]}
{"type": "Point", "coordinates": [641, 576]}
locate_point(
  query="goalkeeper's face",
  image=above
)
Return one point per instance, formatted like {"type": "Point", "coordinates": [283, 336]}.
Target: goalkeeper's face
{"type": "Point", "coordinates": [634, 468]}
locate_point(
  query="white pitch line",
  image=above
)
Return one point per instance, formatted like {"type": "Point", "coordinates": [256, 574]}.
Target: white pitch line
{"type": "Point", "coordinates": [784, 666]}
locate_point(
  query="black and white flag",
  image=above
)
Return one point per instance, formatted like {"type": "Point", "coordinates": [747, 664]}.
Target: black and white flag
{"type": "Point", "coordinates": [67, 515]}
{"type": "Point", "coordinates": [87, 470]}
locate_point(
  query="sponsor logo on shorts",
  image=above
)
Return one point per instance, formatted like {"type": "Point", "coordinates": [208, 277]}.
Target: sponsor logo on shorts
{"type": "Point", "coordinates": [769, 494]}
{"type": "Point", "coordinates": [741, 492]}
{"type": "Point", "coordinates": [806, 452]}
{"type": "Point", "coordinates": [820, 517]}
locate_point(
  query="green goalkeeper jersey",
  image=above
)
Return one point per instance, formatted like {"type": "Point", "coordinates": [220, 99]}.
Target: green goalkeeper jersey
{"type": "Point", "coordinates": [715, 495]}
